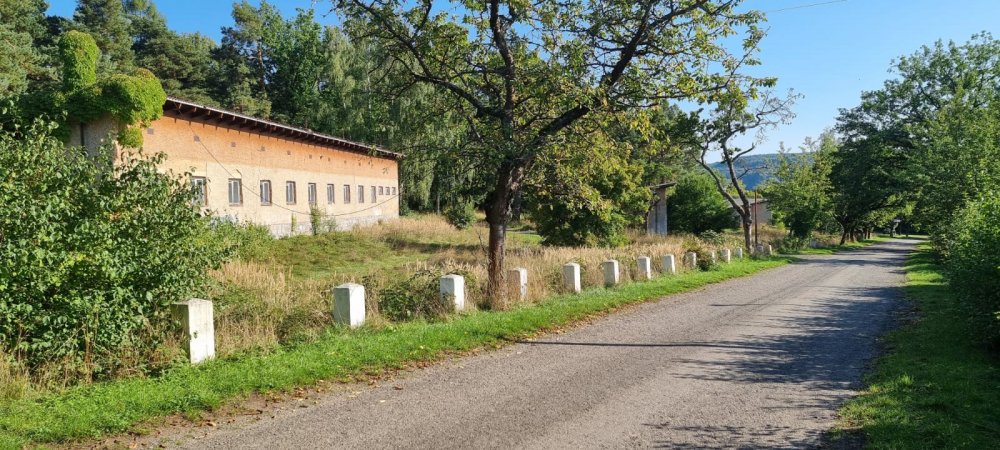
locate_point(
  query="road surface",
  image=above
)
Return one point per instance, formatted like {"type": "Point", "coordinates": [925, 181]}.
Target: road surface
{"type": "Point", "coordinates": [757, 362]}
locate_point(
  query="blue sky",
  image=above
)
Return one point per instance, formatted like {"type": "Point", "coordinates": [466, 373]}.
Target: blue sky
{"type": "Point", "coordinates": [827, 51]}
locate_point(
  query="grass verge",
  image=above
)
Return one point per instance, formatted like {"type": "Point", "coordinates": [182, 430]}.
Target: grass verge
{"type": "Point", "coordinates": [934, 388]}
{"type": "Point", "coordinates": [114, 407]}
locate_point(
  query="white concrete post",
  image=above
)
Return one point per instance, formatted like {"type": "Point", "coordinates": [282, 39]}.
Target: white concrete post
{"type": "Point", "coordinates": [739, 252]}
{"type": "Point", "coordinates": [611, 276]}
{"type": "Point", "coordinates": [645, 265]}
{"type": "Point", "coordinates": [715, 258]}
{"type": "Point", "coordinates": [453, 290]}
{"type": "Point", "coordinates": [691, 259]}
{"type": "Point", "coordinates": [727, 256]}
{"type": "Point", "coordinates": [669, 266]}
{"type": "Point", "coordinates": [759, 250]}
{"type": "Point", "coordinates": [517, 282]}
{"type": "Point", "coordinates": [770, 250]}
{"type": "Point", "coordinates": [197, 318]}
{"type": "Point", "coordinates": [349, 304]}
{"type": "Point", "coordinates": [571, 277]}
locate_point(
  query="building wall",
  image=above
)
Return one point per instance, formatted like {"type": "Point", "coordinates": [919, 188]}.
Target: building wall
{"type": "Point", "coordinates": [219, 153]}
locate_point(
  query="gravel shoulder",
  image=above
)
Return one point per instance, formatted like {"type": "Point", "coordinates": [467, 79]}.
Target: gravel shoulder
{"type": "Point", "coordinates": [756, 362]}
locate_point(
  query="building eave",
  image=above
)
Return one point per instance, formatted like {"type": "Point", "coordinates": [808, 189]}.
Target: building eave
{"type": "Point", "coordinates": [208, 114]}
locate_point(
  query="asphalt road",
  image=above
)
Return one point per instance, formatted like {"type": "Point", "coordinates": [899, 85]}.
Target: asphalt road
{"type": "Point", "coordinates": [758, 362]}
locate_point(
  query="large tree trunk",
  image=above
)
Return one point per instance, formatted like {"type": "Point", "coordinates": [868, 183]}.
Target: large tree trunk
{"type": "Point", "coordinates": [498, 215]}
{"type": "Point", "coordinates": [747, 239]}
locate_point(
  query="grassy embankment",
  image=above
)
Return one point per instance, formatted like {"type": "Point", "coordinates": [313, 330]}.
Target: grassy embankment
{"type": "Point", "coordinates": [934, 387]}
{"type": "Point", "coordinates": [274, 331]}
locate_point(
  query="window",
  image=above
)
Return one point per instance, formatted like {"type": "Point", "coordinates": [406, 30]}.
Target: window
{"type": "Point", "coordinates": [311, 192]}
{"type": "Point", "coordinates": [330, 193]}
{"type": "Point", "coordinates": [361, 194]}
{"type": "Point", "coordinates": [290, 192]}
{"type": "Point", "coordinates": [200, 194]}
{"type": "Point", "coordinates": [347, 194]}
{"type": "Point", "coordinates": [393, 191]}
{"type": "Point", "coordinates": [235, 192]}
{"type": "Point", "coordinates": [381, 190]}
{"type": "Point", "coordinates": [265, 192]}
{"type": "Point", "coordinates": [373, 195]}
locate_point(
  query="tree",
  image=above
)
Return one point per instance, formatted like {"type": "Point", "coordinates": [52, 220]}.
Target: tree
{"type": "Point", "coordinates": [587, 198]}
{"type": "Point", "coordinates": [22, 61]}
{"type": "Point", "coordinates": [800, 193]}
{"type": "Point", "coordinates": [695, 206]}
{"type": "Point", "coordinates": [926, 139]}
{"type": "Point", "coordinates": [521, 75]}
{"type": "Point", "coordinates": [182, 62]}
{"type": "Point", "coordinates": [107, 22]}
{"type": "Point", "coordinates": [732, 118]}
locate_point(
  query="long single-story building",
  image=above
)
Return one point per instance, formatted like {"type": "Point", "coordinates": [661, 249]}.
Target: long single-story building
{"type": "Point", "coordinates": [249, 169]}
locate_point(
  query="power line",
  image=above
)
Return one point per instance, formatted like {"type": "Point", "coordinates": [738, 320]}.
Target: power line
{"type": "Point", "coordinates": [243, 186]}
{"type": "Point", "coordinates": [805, 6]}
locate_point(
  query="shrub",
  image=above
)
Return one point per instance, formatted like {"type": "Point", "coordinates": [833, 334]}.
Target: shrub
{"type": "Point", "coordinates": [415, 297]}
{"type": "Point", "coordinates": [460, 214]}
{"type": "Point", "coordinates": [94, 251]}
{"type": "Point", "coordinates": [697, 206]}
{"type": "Point", "coordinates": [973, 252]}
{"type": "Point", "coordinates": [315, 219]}
{"type": "Point", "coordinates": [587, 200]}
{"type": "Point", "coordinates": [244, 240]}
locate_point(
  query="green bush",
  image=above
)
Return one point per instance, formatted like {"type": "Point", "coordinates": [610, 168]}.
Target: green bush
{"type": "Point", "coordinates": [244, 240]}
{"type": "Point", "coordinates": [973, 253]}
{"type": "Point", "coordinates": [696, 206]}
{"type": "Point", "coordinates": [93, 253]}
{"type": "Point", "coordinates": [460, 214]}
{"type": "Point", "coordinates": [587, 203]}
{"type": "Point", "coordinates": [416, 297]}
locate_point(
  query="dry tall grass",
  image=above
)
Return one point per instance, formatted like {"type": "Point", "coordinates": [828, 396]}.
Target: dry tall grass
{"type": "Point", "coordinates": [261, 305]}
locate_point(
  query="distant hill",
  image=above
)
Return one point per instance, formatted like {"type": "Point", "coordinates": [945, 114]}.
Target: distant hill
{"type": "Point", "coordinates": [759, 168]}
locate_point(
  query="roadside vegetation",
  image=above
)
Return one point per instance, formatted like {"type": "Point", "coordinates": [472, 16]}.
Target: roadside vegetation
{"type": "Point", "coordinates": [262, 359]}
{"type": "Point", "coordinates": [936, 387]}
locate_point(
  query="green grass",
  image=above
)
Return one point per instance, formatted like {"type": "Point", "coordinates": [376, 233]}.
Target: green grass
{"type": "Point", "coordinates": [115, 407]}
{"type": "Point", "coordinates": [331, 253]}
{"type": "Point", "coordinates": [934, 388]}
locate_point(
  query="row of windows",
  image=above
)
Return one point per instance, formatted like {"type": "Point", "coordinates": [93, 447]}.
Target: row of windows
{"type": "Point", "coordinates": [291, 193]}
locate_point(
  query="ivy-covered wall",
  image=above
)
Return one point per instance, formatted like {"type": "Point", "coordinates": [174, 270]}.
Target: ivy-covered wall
{"type": "Point", "coordinates": [132, 100]}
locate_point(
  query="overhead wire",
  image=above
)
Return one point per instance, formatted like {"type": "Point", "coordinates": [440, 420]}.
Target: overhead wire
{"type": "Point", "coordinates": [805, 6]}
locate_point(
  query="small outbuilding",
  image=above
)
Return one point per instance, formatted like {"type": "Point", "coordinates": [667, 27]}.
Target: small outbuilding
{"type": "Point", "coordinates": [656, 217]}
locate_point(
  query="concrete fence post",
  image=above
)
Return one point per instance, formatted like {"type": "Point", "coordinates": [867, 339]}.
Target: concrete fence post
{"type": "Point", "coordinates": [669, 265]}
{"type": "Point", "coordinates": [453, 290]}
{"type": "Point", "coordinates": [727, 256]}
{"type": "Point", "coordinates": [645, 266]}
{"type": "Point", "coordinates": [349, 304]}
{"type": "Point", "coordinates": [739, 252]}
{"type": "Point", "coordinates": [759, 249]}
{"type": "Point", "coordinates": [198, 320]}
{"type": "Point", "coordinates": [517, 282]}
{"type": "Point", "coordinates": [611, 276]}
{"type": "Point", "coordinates": [571, 277]}
{"type": "Point", "coordinates": [715, 257]}
{"type": "Point", "coordinates": [770, 250]}
{"type": "Point", "coordinates": [691, 259]}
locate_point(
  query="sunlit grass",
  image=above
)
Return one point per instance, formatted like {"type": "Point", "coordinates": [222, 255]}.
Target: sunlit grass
{"type": "Point", "coordinates": [934, 387]}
